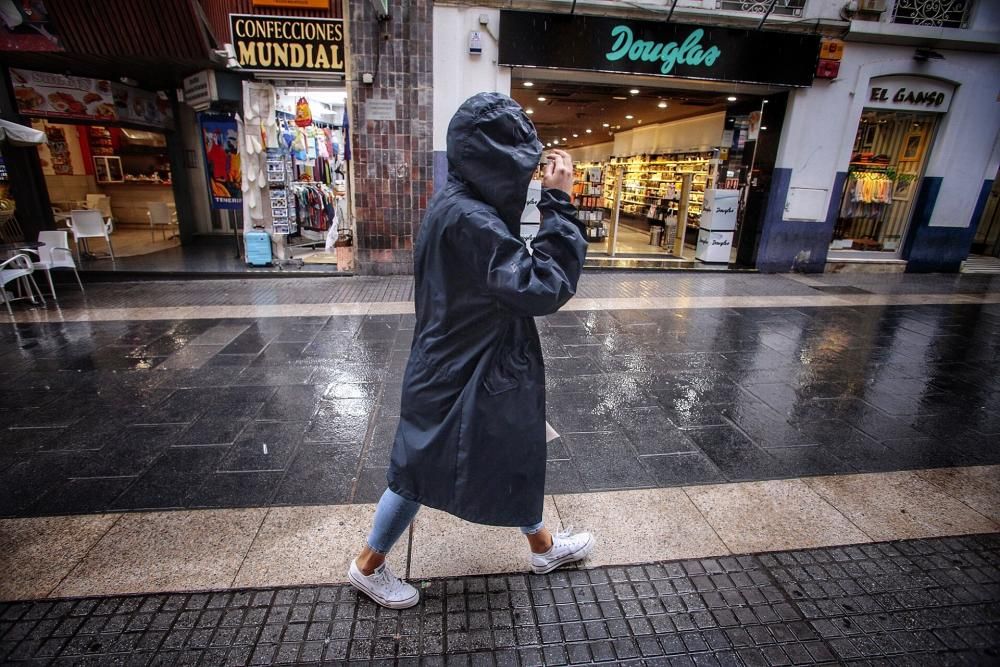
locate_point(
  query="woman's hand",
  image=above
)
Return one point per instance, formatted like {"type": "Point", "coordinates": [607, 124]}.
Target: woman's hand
{"type": "Point", "coordinates": [558, 173]}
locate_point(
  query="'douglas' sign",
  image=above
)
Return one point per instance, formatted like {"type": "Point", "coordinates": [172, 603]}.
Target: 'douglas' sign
{"type": "Point", "coordinates": [288, 44]}
{"type": "Point", "coordinates": [596, 43]}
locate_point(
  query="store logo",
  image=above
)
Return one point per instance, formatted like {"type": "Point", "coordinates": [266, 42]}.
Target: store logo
{"type": "Point", "coordinates": [931, 98]}
{"type": "Point", "coordinates": [689, 52]}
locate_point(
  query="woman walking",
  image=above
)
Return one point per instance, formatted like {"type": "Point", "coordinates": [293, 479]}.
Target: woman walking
{"type": "Point", "coordinates": [471, 435]}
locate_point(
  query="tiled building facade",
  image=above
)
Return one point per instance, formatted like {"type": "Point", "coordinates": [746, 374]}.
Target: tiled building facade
{"type": "Point", "coordinates": [393, 173]}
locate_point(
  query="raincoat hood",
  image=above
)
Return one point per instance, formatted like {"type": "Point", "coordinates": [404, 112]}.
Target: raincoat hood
{"type": "Point", "coordinates": [494, 150]}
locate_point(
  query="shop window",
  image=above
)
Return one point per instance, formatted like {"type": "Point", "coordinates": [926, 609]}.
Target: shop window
{"type": "Point", "coordinates": [937, 13]}
{"type": "Point", "coordinates": [780, 8]}
{"type": "Point", "coordinates": [888, 159]}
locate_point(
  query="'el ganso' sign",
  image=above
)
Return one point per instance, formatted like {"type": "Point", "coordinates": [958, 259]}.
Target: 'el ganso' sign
{"type": "Point", "coordinates": [288, 44]}
{"type": "Point", "coordinates": [596, 43]}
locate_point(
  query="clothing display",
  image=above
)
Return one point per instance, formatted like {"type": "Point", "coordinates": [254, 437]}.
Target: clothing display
{"type": "Point", "coordinates": [314, 205]}
{"type": "Point", "coordinates": [865, 194]}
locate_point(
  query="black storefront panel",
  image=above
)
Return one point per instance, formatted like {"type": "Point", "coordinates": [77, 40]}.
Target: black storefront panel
{"type": "Point", "coordinates": [688, 51]}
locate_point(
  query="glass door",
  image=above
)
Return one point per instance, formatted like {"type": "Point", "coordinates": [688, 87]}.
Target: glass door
{"type": "Point", "coordinates": [887, 162]}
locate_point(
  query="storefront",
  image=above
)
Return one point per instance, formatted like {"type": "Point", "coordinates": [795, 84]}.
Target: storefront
{"type": "Point", "coordinates": [672, 126]}
{"type": "Point", "coordinates": [293, 147]}
{"type": "Point", "coordinates": [106, 151]}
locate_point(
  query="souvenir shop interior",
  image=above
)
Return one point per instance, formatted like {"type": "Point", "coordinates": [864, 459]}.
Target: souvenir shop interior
{"type": "Point", "coordinates": [660, 172]}
{"type": "Point", "coordinates": [887, 162]}
{"type": "Point", "coordinates": [301, 203]}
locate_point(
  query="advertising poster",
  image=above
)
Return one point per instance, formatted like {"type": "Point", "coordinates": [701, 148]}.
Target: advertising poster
{"type": "Point", "coordinates": [58, 96]}
{"type": "Point", "coordinates": [222, 161]}
{"type": "Point", "coordinates": [133, 105]}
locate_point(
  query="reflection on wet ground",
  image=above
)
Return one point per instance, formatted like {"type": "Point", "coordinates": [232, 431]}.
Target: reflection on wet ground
{"type": "Point", "coordinates": [290, 411]}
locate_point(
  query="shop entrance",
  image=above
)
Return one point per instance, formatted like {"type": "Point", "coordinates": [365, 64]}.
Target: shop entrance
{"type": "Point", "coordinates": [312, 151]}
{"type": "Point", "coordinates": [887, 162]}
{"type": "Point", "coordinates": [122, 173]}
{"type": "Point", "coordinates": [663, 174]}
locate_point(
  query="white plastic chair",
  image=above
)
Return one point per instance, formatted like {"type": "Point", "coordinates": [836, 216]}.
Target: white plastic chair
{"type": "Point", "coordinates": [160, 216]}
{"type": "Point", "coordinates": [88, 224]}
{"type": "Point", "coordinates": [101, 203]}
{"type": "Point", "coordinates": [55, 254]}
{"type": "Point", "coordinates": [16, 268]}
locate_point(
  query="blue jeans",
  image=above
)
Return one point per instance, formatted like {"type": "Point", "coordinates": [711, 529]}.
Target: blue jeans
{"type": "Point", "coordinates": [395, 513]}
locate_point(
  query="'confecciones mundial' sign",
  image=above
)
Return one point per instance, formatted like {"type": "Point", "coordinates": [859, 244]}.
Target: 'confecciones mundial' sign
{"type": "Point", "coordinates": [596, 43]}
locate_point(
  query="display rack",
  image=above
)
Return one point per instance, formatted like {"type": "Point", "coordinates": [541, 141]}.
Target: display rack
{"type": "Point", "coordinates": [588, 192]}
{"type": "Point", "coordinates": [651, 184]}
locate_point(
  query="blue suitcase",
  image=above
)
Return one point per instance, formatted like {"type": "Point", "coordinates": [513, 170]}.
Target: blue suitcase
{"type": "Point", "coordinates": [258, 243]}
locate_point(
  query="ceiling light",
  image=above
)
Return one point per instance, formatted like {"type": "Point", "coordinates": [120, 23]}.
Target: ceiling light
{"type": "Point", "coordinates": [549, 144]}
{"type": "Point", "coordinates": [606, 124]}
{"type": "Point", "coordinates": [662, 105]}
{"type": "Point", "coordinates": [575, 135]}
{"type": "Point", "coordinates": [564, 138]}
{"type": "Point", "coordinates": [618, 97]}
{"type": "Point", "coordinates": [640, 120]}
{"type": "Point", "coordinates": [634, 91]}
{"type": "Point", "coordinates": [529, 111]}
{"type": "Point", "coordinates": [763, 127]}
{"type": "Point", "coordinates": [588, 130]}
{"type": "Point", "coordinates": [528, 84]}
{"type": "Point", "coordinates": [541, 99]}
{"type": "Point", "coordinates": [555, 141]}
{"type": "Point", "coordinates": [731, 98]}
{"type": "Point", "coordinates": [629, 117]}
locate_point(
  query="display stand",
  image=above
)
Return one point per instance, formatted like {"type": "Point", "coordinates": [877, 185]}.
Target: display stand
{"type": "Point", "coordinates": [718, 223]}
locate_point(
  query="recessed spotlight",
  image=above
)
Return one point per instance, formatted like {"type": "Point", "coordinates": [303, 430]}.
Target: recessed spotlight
{"type": "Point", "coordinates": [588, 130]}
{"type": "Point", "coordinates": [618, 97]}
{"type": "Point", "coordinates": [629, 117]}
{"type": "Point", "coordinates": [634, 91]}
{"type": "Point", "coordinates": [640, 121]}
{"type": "Point", "coordinates": [731, 98]}
{"type": "Point", "coordinates": [763, 127]}
{"type": "Point", "coordinates": [662, 105]}
{"type": "Point", "coordinates": [575, 135]}
{"type": "Point", "coordinates": [529, 111]}
{"type": "Point", "coordinates": [564, 138]}
{"type": "Point", "coordinates": [541, 99]}
{"type": "Point", "coordinates": [528, 84]}
{"type": "Point", "coordinates": [606, 124]}
{"type": "Point", "coordinates": [555, 141]}
{"type": "Point", "coordinates": [549, 143]}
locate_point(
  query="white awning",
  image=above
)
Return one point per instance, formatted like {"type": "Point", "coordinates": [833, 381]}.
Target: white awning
{"type": "Point", "coordinates": [20, 135]}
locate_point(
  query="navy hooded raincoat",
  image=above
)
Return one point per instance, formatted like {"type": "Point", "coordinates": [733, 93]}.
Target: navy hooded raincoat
{"type": "Point", "coordinates": [471, 436]}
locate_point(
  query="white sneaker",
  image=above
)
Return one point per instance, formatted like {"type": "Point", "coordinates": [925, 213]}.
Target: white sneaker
{"type": "Point", "coordinates": [384, 587]}
{"type": "Point", "coordinates": [566, 548]}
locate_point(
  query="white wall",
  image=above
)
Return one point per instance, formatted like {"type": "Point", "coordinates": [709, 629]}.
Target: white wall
{"type": "Point", "coordinates": [821, 123]}
{"type": "Point", "coordinates": [690, 134]}
{"type": "Point", "coordinates": [595, 153]}
{"type": "Point", "coordinates": [457, 74]}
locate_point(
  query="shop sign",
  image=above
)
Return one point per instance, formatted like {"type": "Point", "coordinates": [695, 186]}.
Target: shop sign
{"type": "Point", "coordinates": [141, 107]}
{"type": "Point", "coordinates": [295, 4]}
{"type": "Point", "coordinates": [597, 43]}
{"type": "Point", "coordinates": [910, 93]}
{"type": "Point", "coordinates": [288, 44]}
{"type": "Point", "coordinates": [200, 90]}
{"type": "Point", "coordinates": [41, 94]}
{"type": "Point", "coordinates": [46, 95]}
{"type": "Point", "coordinates": [220, 143]}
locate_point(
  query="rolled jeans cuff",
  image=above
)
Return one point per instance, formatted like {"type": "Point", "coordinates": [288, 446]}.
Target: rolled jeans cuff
{"type": "Point", "coordinates": [532, 529]}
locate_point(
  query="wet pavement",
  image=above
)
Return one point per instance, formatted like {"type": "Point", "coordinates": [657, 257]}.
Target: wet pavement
{"type": "Point", "coordinates": [121, 415]}
{"type": "Point", "coordinates": [916, 602]}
